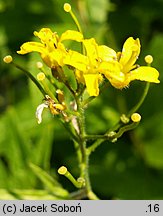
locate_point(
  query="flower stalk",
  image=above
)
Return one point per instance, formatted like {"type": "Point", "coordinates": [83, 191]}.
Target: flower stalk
{"type": "Point", "coordinates": [31, 77]}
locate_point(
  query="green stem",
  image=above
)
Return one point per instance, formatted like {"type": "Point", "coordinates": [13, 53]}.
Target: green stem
{"type": "Point", "coordinates": [125, 128]}
{"type": "Point", "coordinates": [76, 22]}
{"type": "Point", "coordinates": [88, 100]}
{"type": "Point", "coordinates": [49, 91]}
{"type": "Point", "coordinates": [78, 27]}
{"type": "Point", "coordinates": [84, 163]}
{"type": "Point", "coordinates": [77, 183]}
{"type": "Point", "coordinates": [31, 77]}
{"type": "Point", "coordinates": [93, 147]}
{"type": "Point", "coordinates": [78, 195]}
{"type": "Point", "coordinates": [119, 124]}
{"type": "Point", "coordinates": [96, 137]}
{"type": "Point", "coordinates": [68, 127]}
{"type": "Point", "coordinates": [112, 136]}
{"type": "Point", "coordinates": [60, 76]}
{"type": "Point", "coordinates": [140, 102]}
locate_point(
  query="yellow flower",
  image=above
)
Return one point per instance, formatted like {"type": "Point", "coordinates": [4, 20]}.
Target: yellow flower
{"type": "Point", "coordinates": [90, 67]}
{"type": "Point", "coordinates": [127, 68]}
{"type": "Point", "coordinates": [51, 48]}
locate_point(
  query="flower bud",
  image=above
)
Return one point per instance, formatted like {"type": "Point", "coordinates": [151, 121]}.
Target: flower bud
{"type": "Point", "coordinates": [124, 119]}
{"type": "Point", "coordinates": [81, 180]}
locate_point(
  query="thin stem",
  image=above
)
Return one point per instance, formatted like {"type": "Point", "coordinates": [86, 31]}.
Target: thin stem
{"type": "Point", "coordinates": [76, 22]}
{"type": "Point", "coordinates": [63, 171]}
{"type": "Point", "coordinates": [125, 128]}
{"type": "Point", "coordinates": [67, 126]}
{"type": "Point", "coordinates": [78, 27]}
{"type": "Point", "coordinates": [80, 194]}
{"type": "Point", "coordinates": [88, 100]}
{"type": "Point", "coordinates": [49, 91]}
{"type": "Point", "coordinates": [93, 147]}
{"type": "Point", "coordinates": [31, 77]}
{"type": "Point", "coordinates": [92, 196]}
{"type": "Point", "coordinates": [112, 136]}
{"type": "Point", "coordinates": [84, 164]}
{"type": "Point", "coordinates": [60, 76]}
{"type": "Point", "coordinates": [137, 106]}
{"type": "Point", "coordinates": [96, 137]}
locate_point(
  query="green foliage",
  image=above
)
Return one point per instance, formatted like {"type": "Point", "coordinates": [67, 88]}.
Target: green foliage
{"type": "Point", "coordinates": [131, 168]}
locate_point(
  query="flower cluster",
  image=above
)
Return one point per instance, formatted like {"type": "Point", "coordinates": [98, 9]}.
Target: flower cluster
{"type": "Point", "coordinates": [93, 67]}
{"type": "Point", "coordinates": [96, 63]}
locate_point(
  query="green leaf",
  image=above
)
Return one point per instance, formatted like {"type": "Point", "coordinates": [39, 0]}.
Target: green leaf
{"type": "Point", "coordinates": [52, 185]}
{"type": "Point", "coordinates": [26, 195]}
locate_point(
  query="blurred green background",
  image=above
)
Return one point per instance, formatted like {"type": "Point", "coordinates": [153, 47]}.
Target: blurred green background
{"type": "Point", "coordinates": [131, 168]}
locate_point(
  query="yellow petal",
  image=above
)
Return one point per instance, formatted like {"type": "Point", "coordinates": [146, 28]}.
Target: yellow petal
{"type": "Point", "coordinates": [46, 35]}
{"type": "Point", "coordinates": [76, 60]}
{"type": "Point", "coordinates": [30, 47]}
{"type": "Point", "coordinates": [53, 59]}
{"type": "Point", "coordinates": [112, 70]}
{"type": "Point", "coordinates": [105, 53]}
{"type": "Point", "coordinates": [79, 76]}
{"type": "Point", "coordinates": [92, 82]}
{"type": "Point", "coordinates": [130, 53]}
{"type": "Point", "coordinates": [91, 50]}
{"type": "Point", "coordinates": [71, 35]}
{"type": "Point", "coordinates": [145, 73]}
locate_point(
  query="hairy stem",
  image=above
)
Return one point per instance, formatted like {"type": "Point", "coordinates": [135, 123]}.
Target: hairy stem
{"type": "Point", "coordinates": [84, 163]}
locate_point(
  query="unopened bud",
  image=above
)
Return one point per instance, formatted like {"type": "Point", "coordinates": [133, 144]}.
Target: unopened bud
{"type": "Point", "coordinates": [124, 119]}
{"type": "Point", "coordinates": [8, 59]}
{"type": "Point", "coordinates": [81, 180]}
